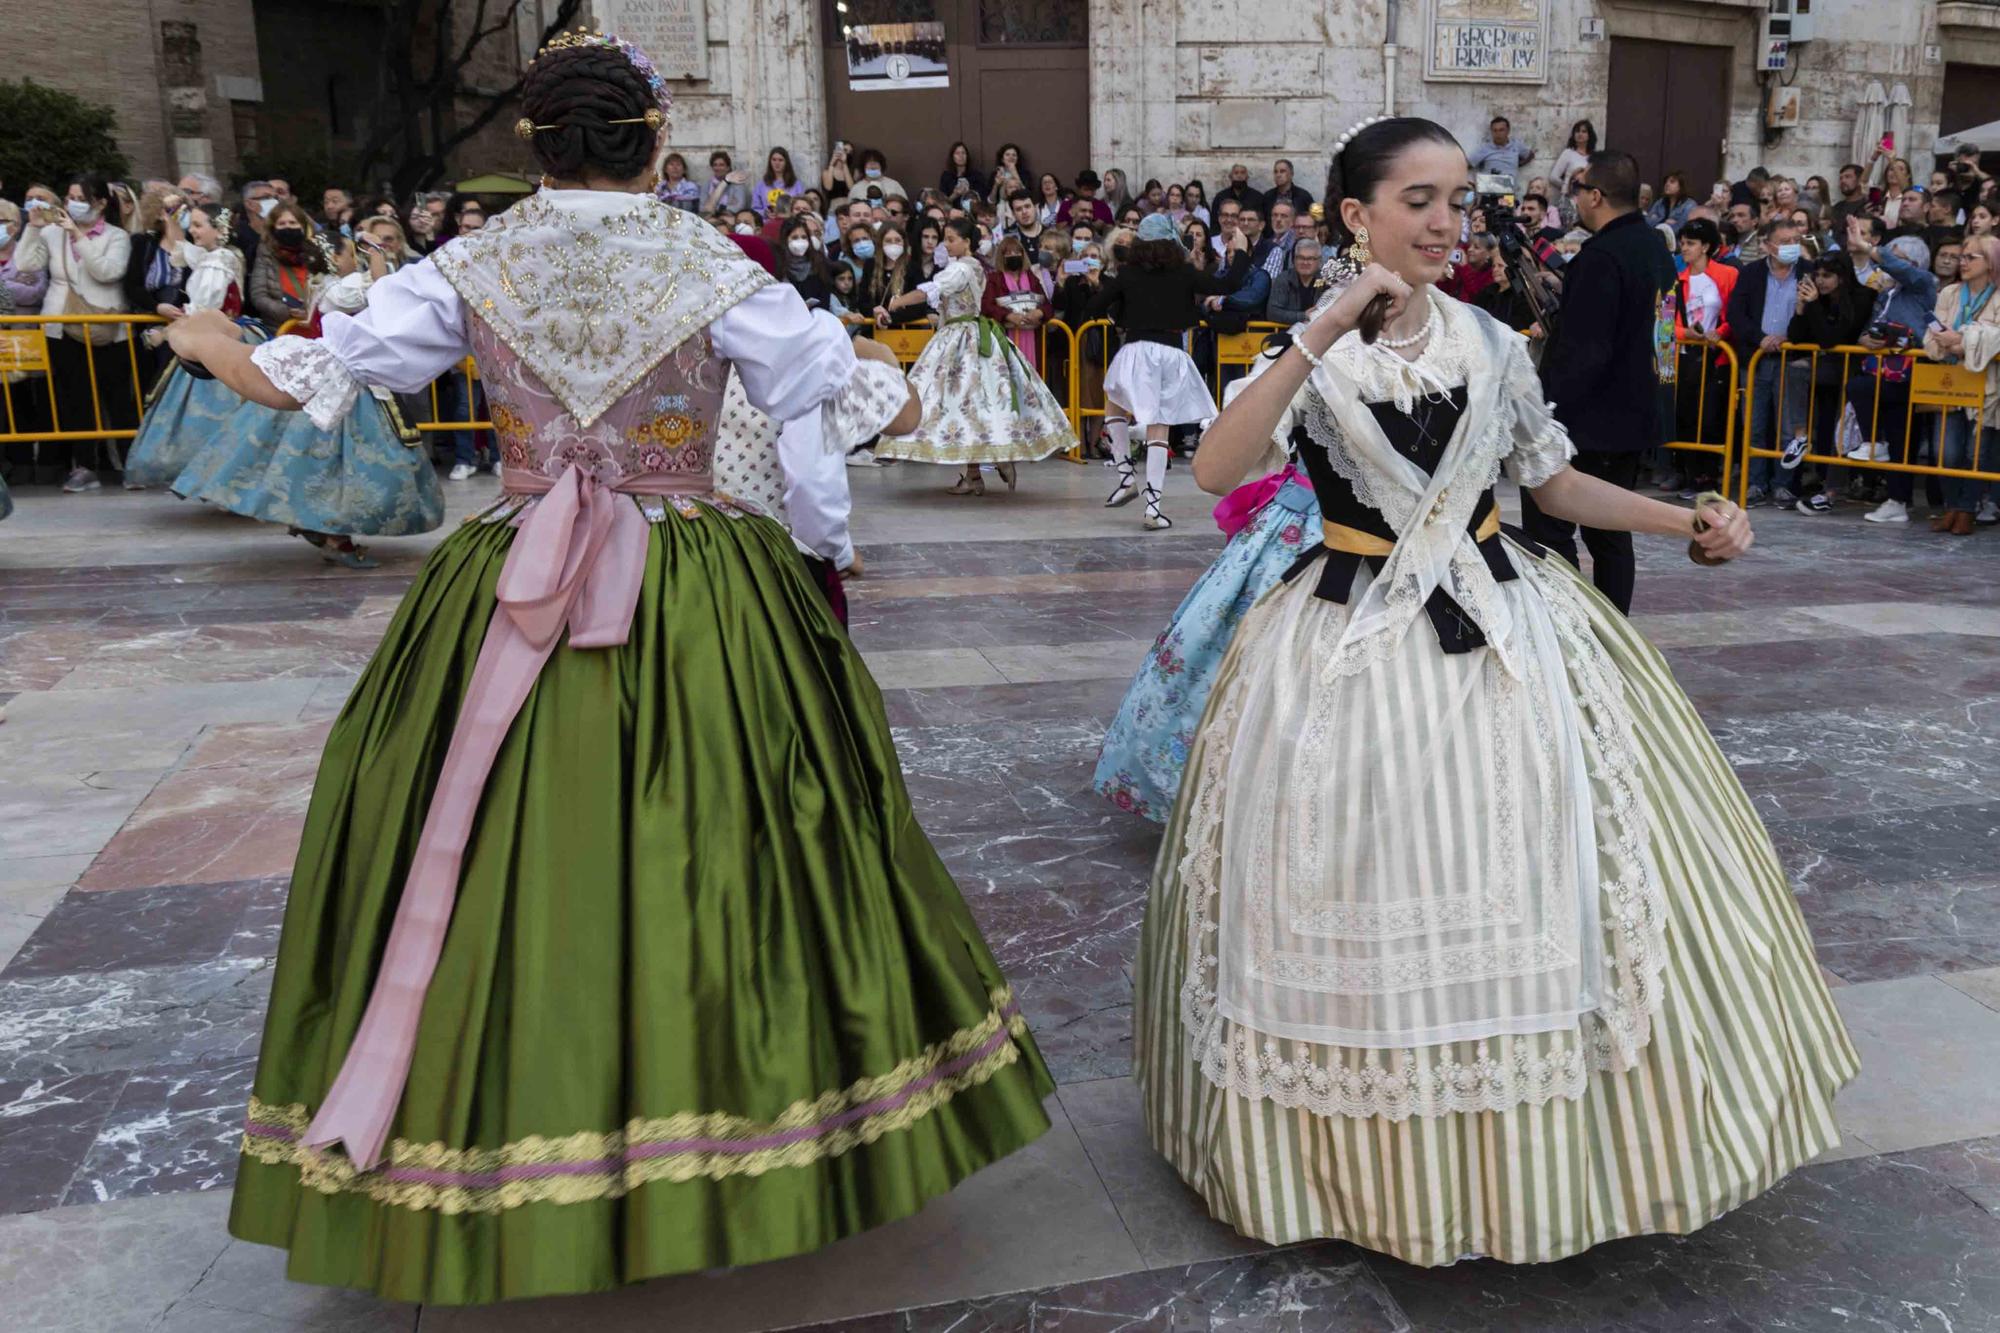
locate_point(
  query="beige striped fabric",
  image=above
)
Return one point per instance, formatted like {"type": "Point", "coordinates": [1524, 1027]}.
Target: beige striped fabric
{"type": "Point", "coordinates": [1734, 1090]}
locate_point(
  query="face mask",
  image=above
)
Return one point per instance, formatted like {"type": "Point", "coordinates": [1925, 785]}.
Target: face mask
{"type": "Point", "coordinates": [798, 245]}
{"type": "Point", "coordinates": [290, 238]}
{"type": "Point", "coordinates": [78, 209]}
{"type": "Point", "coordinates": [347, 230]}
{"type": "Point", "coordinates": [264, 207]}
{"type": "Point", "coordinates": [892, 253]}
{"type": "Point", "coordinates": [1094, 262]}
{"type": "Point", "coordinates": [818, 243]}
{"type": "Point", "coordinates": [985, 248]}
{"type": "Point", "coordinates": [745, 229]}
{"type": "Point", "coordinates": [864, 249]}
{"type": "Point", "coordinates": [6, 235]}
{"type": "Point", "coordinates": [1121, 253]}
{"type": "Point", "coordinates": [872, 173]}
{"type": "Point", "coordinates": [181, 219]}
{"type": "Point", "coordinates": [36, 205]}
{"type": "Point", "coordinates": [1046, 258]}
{"type": "Point", "coordinates": [940, 256]}
{"type": "Point", "coordinates": [1013, 263]}
{"type": "Point", "coordinates": [1788, 254]}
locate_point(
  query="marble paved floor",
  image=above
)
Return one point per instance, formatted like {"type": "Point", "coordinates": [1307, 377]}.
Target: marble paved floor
{"type": "Point", "coordinates": [169, 674]}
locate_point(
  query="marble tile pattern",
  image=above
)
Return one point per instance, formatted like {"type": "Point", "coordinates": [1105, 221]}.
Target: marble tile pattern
{"type": "Point", "coordinates": [168, 676]}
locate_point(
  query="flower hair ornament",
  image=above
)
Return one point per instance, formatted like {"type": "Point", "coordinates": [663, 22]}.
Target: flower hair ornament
{"type": "Point", "coordinates": [654, 117]}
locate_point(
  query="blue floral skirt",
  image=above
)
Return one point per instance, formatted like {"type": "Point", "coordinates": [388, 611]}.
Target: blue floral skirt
{"type": "Point", "coordinates": [183, 415]}
{"type": "Point", "coordinates": [1139, 768]}
{"type": "Point", "coordinates": [367, 478]}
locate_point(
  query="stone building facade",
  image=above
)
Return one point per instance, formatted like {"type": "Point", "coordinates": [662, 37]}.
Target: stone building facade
{"type": "Point", "coordinates": [1168, 88]}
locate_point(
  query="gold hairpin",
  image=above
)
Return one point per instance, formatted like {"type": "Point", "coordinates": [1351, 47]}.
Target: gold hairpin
{"type": "Point", "coordinates": [653, 119]}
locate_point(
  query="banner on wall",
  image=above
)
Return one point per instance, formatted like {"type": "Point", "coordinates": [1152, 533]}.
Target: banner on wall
{"type": "Point", "coordinates": [887, 57]}
{"type": "Point", "coordinates": [1488, 41]}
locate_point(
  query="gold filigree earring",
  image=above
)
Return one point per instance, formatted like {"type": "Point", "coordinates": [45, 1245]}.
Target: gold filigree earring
{"type": "Point", "coordinates": [1358, 254]}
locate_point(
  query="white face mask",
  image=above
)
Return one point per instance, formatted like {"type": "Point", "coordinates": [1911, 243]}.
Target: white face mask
{"type": "Point", "coordinates": [78, 209]}
{"type": "Point", "coordinates": [985, 248]}
{"type": "Point", "coordinates": [264, 207]}
{"type": "Point", "coordinates": [892, 252]}
{"type": "Point", "coordinates": [798, 245]}
{"type": "Point", "coordinates": [819, 243]}
{"type": "Point", "coordinates": [745, 229]}
{"type": "Point", "coordinates": [940, 256]}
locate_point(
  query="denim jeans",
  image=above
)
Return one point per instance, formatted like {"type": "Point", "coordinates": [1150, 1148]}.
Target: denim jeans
{"type": "Point", "coordinates": [1794, 376]}
{"type": "Point", "coordinates": [456, 405]}
{"type": "Point", "coordinates": [1962, 492]}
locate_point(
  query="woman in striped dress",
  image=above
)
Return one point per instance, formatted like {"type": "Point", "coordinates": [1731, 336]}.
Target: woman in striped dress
{"type": "Point", "coordinates": [1464, 939]}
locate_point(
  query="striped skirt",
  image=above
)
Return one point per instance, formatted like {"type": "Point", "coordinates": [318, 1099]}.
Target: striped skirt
{"type": "Point", "coordinates": [1734, 1089]}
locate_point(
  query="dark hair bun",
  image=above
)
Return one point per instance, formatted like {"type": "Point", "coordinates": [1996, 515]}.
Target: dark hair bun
{"type": "Point", "coordinates": [576, 93]}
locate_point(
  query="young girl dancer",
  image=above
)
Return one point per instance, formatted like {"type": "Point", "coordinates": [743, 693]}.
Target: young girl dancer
{"type": "Point", "coordinates": [1153, 382]}
{"type": "Point", "coordinates": [183, 409]}
{"type": "Point", "coordinates": [983, 403]}
{"type": "Point", "coordinates": [614, 949]}
{"type": "Point", "coordinates": [1465, 940]}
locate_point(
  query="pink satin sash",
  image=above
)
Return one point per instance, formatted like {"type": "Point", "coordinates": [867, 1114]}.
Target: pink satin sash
{"type": "Point", "coordinates": [577, 561]}
{"type": "Point", "coordinates": [1235, 510]}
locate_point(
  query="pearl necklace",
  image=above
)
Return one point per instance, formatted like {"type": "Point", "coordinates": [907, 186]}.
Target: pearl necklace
{"type": "Point", "coordinates": [1429, 327]}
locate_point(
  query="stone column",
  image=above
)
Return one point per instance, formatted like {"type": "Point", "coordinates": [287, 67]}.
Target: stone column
{"type": "Point", "coordinates": [186, 98]}
{"type": "Point", "coordinates": [1132, 94]}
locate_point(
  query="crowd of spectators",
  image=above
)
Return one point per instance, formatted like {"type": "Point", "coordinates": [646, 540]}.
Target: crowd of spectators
{"type": "Point", "coordinates": [1859, 261]}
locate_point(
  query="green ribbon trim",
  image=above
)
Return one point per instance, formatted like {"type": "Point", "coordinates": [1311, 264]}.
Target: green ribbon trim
{"type": "Point", "coordinates": [991, 334]}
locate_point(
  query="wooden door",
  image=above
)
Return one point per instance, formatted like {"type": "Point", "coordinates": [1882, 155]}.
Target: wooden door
{"type": "Point", "coordinates": [1669, 108]}
{"type": "Point", "coordinates": [1018, 73]}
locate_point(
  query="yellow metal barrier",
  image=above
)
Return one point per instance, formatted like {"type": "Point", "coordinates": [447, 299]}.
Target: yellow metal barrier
{"type": "Point", "coordinates": [470, 371]}
{"type": "Point", "coordinates": [1933, 389]}
{"type": "Point", "coordinates": [1067, 359]}
{"type": "Point", "coordinates": [21, 359]}
{"type": "Point", "coordinates": [1241, 349]}
{"type": "Point", "coordinates": [1086, 381]}
{"type": "Point", "coordinates": [907, 343]}
{"type": "Point", "coordinates": [1717, 378]}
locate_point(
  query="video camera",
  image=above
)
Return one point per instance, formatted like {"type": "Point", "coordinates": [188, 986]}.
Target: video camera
{"type": "Point", "coordinates": [1496, 195]}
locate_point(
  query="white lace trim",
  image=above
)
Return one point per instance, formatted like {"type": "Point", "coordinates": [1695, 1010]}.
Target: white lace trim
{"type": "Point", "coordinates": [307, 369]}
{"type": "Point", "coordinates": [864, 408]}
{"type": "Point", "coordinates": [1455, 1076]}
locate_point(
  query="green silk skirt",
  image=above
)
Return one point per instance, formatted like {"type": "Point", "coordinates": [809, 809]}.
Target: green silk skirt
{"type": "Point", "coordinates": [708, 995]}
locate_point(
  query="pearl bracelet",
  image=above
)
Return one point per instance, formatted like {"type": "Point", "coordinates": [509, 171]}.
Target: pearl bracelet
{"type": "Point", "coordinates": [1314, 361]}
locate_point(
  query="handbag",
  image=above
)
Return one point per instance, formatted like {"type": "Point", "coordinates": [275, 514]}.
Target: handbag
{"type": "Point", "coordinates": [97, 335]}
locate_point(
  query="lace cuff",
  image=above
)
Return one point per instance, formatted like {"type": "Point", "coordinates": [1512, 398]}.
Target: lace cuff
{"type": "Point", "coordinates": [864, 408]}
{"type": "Point", "coordinates": [307, 370]}
{"type": "Point", "coordinates": [1541, 445]}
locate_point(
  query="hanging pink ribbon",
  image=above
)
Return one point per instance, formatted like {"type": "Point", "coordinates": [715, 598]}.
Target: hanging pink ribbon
{"type": "Point", "coordinates": [577, 561]}
{"type": "Point", "coordinates": [1235, 510]}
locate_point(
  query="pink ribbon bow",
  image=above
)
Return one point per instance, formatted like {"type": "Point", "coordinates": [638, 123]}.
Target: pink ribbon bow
{"type": "Point", "coordinates": [577, 561]}
{"type": "Point", "coordinates": [1235, 510]}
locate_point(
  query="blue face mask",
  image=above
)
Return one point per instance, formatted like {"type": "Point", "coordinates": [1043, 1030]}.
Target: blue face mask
{"type": "Point", "coordinates": [864, 249]}
{"type": "Point", "coordinates": [1788, 254]}
{"type": "Point", "coordinates": [6, 235]}
{"type": "Point", "coordinates": [873, 172]}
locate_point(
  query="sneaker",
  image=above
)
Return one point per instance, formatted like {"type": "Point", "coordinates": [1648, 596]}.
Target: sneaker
{"type": "Point", "coordinates": [1667, 482]}
{"type": "Point", "coordinates": [1988, 515]}
{"type": "Point", "coordinates": [1815, 504]}
{"type": "Point", "coordinates": [494, 466]}
{"type": "Point", "coordinates": [81, 479]}
{"type": "Point", "coordinates": [1795, 452]}
{"type": "Point", "coordinates": [1689, 493]}
{"type": "Point", "coordinates": [462, 471]}
{"type": "Point", "coordinates": [1889, 511]}
{"type": "Point", "coordinates": [1783, 497]}
{"type": "Point", "coordinates": [1756, 499]}
{"type": "Point", "coordinates": [862, 458]}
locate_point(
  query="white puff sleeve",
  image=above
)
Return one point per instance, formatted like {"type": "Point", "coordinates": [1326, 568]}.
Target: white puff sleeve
{"type": "Point", "coordinates": [412, 331]}
{"type": "Point", "coordinates": [792, 363]}
{"type": "Point", "coordinates": [1541, 445]}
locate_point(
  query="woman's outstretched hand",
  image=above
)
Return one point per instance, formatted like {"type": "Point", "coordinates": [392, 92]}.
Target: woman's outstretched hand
{"type": "Point", "coordinates": [1727, 534]}
{"type": "Point", "coordinates": [192, 335]}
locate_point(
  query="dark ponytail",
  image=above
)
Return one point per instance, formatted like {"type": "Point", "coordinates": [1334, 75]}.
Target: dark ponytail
{"type": "Point", "coordinates": [576, 93]}
{"type": "Point", "coordinates": [1357, 170]}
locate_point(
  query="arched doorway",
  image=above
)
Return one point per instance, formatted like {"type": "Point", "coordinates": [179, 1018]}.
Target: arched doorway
{"type": "Point", "coordinates": [1017, 73]}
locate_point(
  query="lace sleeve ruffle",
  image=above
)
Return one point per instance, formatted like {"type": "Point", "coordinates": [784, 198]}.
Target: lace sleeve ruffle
{"type": "Point", "coordinates": [1541, 446]}
{"type": "Point", "coordinates": [307, 369]}
{"type": "Point", "coordinates": [865, 407]}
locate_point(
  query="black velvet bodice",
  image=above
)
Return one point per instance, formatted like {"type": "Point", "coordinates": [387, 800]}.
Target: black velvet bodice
{"type": "Point", "coordinates": [1420, 435]}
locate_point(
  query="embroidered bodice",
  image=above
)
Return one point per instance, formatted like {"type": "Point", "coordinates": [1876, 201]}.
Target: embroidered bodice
{"type": "Point", "coordinates": [664, 424]}
{"type": "Point", "coordinates": [958, 286]}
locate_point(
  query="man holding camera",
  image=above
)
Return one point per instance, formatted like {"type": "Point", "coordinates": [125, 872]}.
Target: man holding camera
{"type": "Point", "coordinates": [1759, 316]}
{"type": "Point", "coordinates": [1599, 371]}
